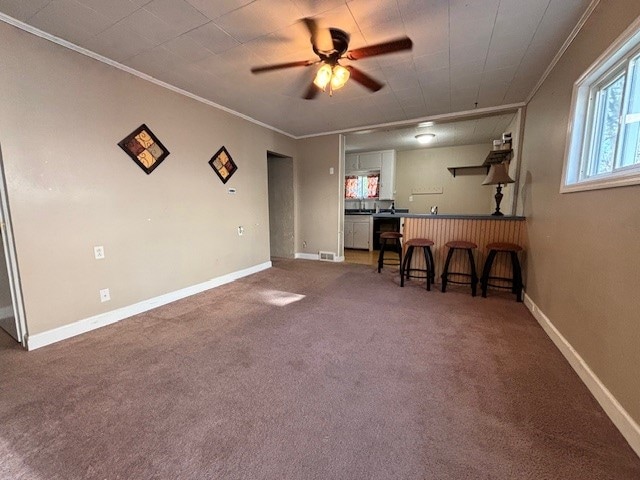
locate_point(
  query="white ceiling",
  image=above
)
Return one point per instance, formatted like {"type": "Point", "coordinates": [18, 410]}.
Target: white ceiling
{"type": "Point", "coordinates": [489, 52]}
{"type": "Point", "coordinates": [470, 131]}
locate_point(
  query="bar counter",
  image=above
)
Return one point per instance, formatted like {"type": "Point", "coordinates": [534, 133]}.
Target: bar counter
{"type": "Point", "coordinates": [479, 229]}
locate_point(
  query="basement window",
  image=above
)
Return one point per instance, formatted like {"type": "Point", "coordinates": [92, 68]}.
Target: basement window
{"type": "Point", "coordinates": [603, 143]}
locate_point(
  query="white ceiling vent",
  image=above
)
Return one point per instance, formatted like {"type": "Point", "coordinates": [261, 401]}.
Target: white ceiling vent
{"type": "Point", "coordinates": [327, 256]}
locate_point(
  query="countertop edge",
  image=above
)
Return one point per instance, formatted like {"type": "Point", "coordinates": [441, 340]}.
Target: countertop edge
{"type": "Point", "coordinates": [444, 216]}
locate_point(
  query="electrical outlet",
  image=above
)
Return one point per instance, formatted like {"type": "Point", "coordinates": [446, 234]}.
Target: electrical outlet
{"type": "Point", "coordinates": [98, 252]}
{"type": "Point", "coordinates": [331, 170]}
{"type": "Point", "coordinates": [105, 296]}
{"type": "Point", "coordinates": [240, 230]}
{"type": "Point", "coordinates": [304, 244]}
{"type": "Point", "coordinates": [411, 198]}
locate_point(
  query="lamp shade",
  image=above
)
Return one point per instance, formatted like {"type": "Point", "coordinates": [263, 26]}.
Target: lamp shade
{"type": "Point", "coordinates": [339, 77]}
{"type": "Point", "coordinates": [323, 77]}
{"type": "Point", "coordinates": [498, 175]}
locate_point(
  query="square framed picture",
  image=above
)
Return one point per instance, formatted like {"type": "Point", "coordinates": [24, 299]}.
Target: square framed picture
{"type": "Point", "coordinates": [144, 148]}
{"type": "Point", "coordinates": [223, 165]}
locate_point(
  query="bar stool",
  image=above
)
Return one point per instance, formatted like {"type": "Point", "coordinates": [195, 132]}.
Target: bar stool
{"type": "Point", "coordinates": [516, 280]}
{"type": "Point", "coordinates": [405, 269]}
{"type": "Point", "coordinates": [460, 245]}
{"type": "Point", "coordinates": [394, 238]}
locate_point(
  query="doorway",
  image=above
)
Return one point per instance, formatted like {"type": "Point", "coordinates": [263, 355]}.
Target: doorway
{"type": "Point", "coordinates": [281, 205]}
{"type": "Point", "coordinates": [11, 310]}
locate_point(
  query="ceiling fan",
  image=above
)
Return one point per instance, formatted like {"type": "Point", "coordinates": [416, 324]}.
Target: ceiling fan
{"type": "Point", "coordinates": [332, 45]}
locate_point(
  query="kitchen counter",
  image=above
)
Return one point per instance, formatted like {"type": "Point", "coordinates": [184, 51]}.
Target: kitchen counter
{"type": "Point", "coordinates": [349, 211]}
{"type": "Point", "coordinates": [399, 214]}
{"type": "Point", "coordinates": [479, 229]}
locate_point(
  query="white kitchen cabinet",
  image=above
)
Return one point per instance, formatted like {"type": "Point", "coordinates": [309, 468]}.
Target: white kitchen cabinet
{"type": "Point", "coordinates": [388, 175]}
{"type": "Point", "coordinates": [350, 163]}
{"type": "Point", "coordinates": [361, 235]}
{"type": "Point", "coordinates": [358, 231]}
{"type": "Point", "coordinates": [362, 162]}
{"type": "Point", "coordinates": [370, 160]}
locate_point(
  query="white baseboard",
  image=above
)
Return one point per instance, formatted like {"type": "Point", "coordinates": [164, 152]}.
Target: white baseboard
{"type": "Point", "coordinates": [307, 256]}
{"type": "Point", "coordinates": [616, 412]}
{"type": "Point", "coordinates": [315, 256]}
{"type": "Point", "coordinates": [85, 325]}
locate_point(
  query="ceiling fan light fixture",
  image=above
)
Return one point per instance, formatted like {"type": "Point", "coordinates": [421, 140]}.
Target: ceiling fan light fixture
{"type": "Point", "coordinates": [323, 76]}
{"type": "Point", "coordinates": [425, 137]}
{"type": "Point", "coordinates": [339, 77]}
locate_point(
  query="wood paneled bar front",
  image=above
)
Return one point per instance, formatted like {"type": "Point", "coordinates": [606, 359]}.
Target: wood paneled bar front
{"type": "Point", "coordinates": [479, 229]}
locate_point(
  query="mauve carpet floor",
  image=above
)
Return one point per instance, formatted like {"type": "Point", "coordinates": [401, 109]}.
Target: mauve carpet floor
{"type": "Point", "coordinates": [308, 370]}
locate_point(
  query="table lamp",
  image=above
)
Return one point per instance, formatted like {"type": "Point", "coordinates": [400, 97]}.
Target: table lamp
{"type": "Point", "coordinates": [499, 176]}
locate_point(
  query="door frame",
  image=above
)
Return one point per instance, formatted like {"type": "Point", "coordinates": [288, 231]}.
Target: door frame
{"type": "Point", "coordinates": [8, 243]}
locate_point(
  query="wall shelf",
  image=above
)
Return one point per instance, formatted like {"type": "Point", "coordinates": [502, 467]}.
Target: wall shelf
{"type": "Point", "coordinates": [498, 156]}
{"type": "Point", "coordinates": [485, 169]}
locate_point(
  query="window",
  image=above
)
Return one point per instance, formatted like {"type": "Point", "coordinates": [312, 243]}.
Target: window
{"type": "Point", "coordinates": [362, 186]}
{"type": "Point", "coordinates": [603, 145]}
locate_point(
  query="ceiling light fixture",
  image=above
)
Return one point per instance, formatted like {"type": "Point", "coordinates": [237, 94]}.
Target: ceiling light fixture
{"type": "Point", "coordinates": [425, 137]}
{"type": "Point", "coordinates": [335, 77]}
{"type": "Point", "coordinates": [340, 77]}
{"type": "Point", "coordinates": [323, 77]}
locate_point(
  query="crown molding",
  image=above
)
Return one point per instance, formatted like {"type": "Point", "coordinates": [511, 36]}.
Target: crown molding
{"type": "Point", "coordinates": [449, 117]}
{"type": "Point", "coordinates": [574, 33]}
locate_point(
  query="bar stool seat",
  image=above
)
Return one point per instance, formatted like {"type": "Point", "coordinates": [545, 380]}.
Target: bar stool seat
{"type": "Point", "coordinates": [406, 269]}
{"type": "Point", "coordinates": [516, 279]}
{"type": "Point", "coordinates": [392, 238]}
{"type": "Point", "coordinates": [473, 276]}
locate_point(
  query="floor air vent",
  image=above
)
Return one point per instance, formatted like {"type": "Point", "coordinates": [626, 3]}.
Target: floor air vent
{"type": "Point", "coordinates": [327, 256]}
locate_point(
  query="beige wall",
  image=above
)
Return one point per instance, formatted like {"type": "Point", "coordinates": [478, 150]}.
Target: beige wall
{"type": "Point", "coordinates": [584, 250]}
{"type": "Point", "coordinates": [71, 187]}
{"type": "Point", "coordinates": [319, 198]}
{"type": "Point", "coordinates": [428, 167]}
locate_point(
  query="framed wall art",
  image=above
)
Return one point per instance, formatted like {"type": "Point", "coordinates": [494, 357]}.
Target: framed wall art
{"type": "Point", "coordinates": [223, 165]}
{"type": "Point", "coordinates": [144, 148]}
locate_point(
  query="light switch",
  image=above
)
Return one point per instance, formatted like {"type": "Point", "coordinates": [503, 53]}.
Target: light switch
{"type": "Point", "coordinates": [331, 170]}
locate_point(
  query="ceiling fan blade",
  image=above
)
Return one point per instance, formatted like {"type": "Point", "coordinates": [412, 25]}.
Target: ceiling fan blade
{"type": "Point", "coordinates": [364, 79]}
{"type": "Point", "coordinates": [277, 66]}
{"type": "Point", "coordinates": [311, 92]}
{"type": "Point", "coordinates": [320, 37]}
{"type": "Point", "coordinates": [397, 45]}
